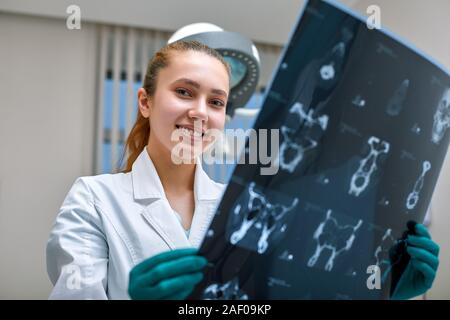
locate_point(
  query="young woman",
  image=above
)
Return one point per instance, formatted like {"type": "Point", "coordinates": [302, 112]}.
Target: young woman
{"type": "Point", "coordinates": [111, 222]}
{"type": "Point", "coordinates": [134, 234]}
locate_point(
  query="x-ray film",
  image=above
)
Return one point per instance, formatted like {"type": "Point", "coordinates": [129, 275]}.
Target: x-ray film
{"type": "Point", "coordinates": [364, 123]}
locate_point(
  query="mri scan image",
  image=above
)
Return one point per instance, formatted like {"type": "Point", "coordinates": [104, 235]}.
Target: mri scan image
{"type": "Point", "coordinates": [395, 104]}
{"type": "Point", "coordinates": [441, 118]}
{"type": "Point", "coordinates": [258, 218]}
{"type": "Point", "coordinates": [334, 237]}
{"type": "Point", "coordinates": [226, 291]}
{"type": "Point", "coordinates": [295, 146]}
{"type": "Point", "coordinates": [413, 197]}
{"type": "Point", "coordinates": [361, 178]}
{"type": "Point", "coordinates": [363, 122]}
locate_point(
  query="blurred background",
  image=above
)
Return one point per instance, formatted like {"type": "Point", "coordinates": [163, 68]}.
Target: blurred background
{"type": "Point", "coordinates": [68, 100]}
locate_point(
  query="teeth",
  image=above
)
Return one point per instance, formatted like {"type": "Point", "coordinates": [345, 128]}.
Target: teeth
{"type": "Point", "coordinates": [190, 132]}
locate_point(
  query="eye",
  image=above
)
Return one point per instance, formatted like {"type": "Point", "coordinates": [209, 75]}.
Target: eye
{"type": "Point", "coordinates": [183, 92]}
{"type": "Point", "coordinates": [218, 103]}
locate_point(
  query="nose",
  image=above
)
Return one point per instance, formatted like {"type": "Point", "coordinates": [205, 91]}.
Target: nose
{"type": "Point", "coordinates": [199, 110]}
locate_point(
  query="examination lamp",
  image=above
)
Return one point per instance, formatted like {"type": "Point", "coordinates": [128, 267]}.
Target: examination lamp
{"type": "Point", "coordinates": [240, 53]}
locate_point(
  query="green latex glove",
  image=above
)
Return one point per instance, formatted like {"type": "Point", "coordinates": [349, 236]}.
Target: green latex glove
{"type": "Point", "coordinates": [421, 270]}
{"type": "Point", "coordinates": [169, 275]}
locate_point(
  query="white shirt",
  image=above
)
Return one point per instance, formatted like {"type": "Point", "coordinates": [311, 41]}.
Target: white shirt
{"type": "Point", "coordinates": [181, 222]}
{"type": "Point", "coordinates": [109, 223]}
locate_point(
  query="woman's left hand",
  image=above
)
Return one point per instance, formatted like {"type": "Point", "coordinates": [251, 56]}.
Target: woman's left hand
{"type": "Point", "coordinates": [421, 270]}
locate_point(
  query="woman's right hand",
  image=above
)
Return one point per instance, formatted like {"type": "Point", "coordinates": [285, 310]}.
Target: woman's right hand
{"type": "Point", "coordinates": [169, 275]}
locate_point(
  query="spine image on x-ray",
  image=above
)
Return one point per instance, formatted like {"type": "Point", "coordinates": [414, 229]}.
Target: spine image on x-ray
{"type": "Point", "coordinates": [335, 60]}
{"type": "Point", "coordinates": [334, 237]}
{"type": "Point", "coordinates": [227, 291]}
{"type": "Point", "coordinates": [396, 102]}
{"type": "Point", "coordinates": [413, 197]}
{"type": "Point", "coordinates": [441, 118]}
{"type": "Point", "coordinates": [318, 78]}
{"type": "Point", "coordinates": [367, 166]}
{"type": "Point", "coordinates": [260, 218]}
{"type": "Point", "coordinates": [295, 145]}
{"type": "Point", "coordinates": [322, 74]}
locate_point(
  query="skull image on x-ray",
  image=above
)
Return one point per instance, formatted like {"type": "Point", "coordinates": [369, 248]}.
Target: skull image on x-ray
{"type": "Point", "coordinates": [441, 118]}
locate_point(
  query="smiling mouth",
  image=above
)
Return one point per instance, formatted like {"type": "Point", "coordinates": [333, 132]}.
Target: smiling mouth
{"type": "Point", "coordinates": [190, 132]}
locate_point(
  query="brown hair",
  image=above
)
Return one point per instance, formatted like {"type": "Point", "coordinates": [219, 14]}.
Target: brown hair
{"type": "Point", "coordinates": [140, 133]}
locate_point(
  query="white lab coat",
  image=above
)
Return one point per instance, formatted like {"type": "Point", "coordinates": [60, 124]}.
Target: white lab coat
{"type": "Point", "coordinates": [109, 223]}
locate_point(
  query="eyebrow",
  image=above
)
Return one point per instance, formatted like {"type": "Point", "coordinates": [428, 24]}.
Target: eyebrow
{"type": "Point", "coordinates": [197, 85]}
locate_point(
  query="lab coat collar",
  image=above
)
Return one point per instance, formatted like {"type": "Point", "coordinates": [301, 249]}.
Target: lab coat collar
{"type": "Point", "coordinates": [147, 184]}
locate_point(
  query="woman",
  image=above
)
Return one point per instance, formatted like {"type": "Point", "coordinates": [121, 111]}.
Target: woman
{"type": "Point", "coordinates": [150, 218]}
{"type": "Point", "coordinates": [109, 223]}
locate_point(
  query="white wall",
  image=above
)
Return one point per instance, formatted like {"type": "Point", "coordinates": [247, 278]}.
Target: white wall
{"type": "Point", "coordinates": [46, 134]}
{"type": "Point", "coordinates": [245, 16]}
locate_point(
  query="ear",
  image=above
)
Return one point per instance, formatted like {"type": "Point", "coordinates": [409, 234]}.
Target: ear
{"type": "Point", "coordinates": [144, 103]}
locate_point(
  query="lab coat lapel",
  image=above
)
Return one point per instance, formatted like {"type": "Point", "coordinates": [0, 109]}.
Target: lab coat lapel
{"type": "Point", "coordinates": [200, 223]}
{"type": "Point", "coordinates": [161, 217]}
{"type": "Point", "coordinates": [207, 193]}
{"type": "Point", "coordinates": [158, 213]}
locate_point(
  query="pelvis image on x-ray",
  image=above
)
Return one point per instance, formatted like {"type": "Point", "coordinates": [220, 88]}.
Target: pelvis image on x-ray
{"type": "Point", "coordinates": [334, 237]}
{"type": "Point", "coordinates": [256, 221]}
{"type": "Point", "coordinates": [363, 122]}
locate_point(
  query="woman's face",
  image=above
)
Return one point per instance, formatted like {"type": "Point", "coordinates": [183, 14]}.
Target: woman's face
{"type": "Point", "coordinates": [190, 99]}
